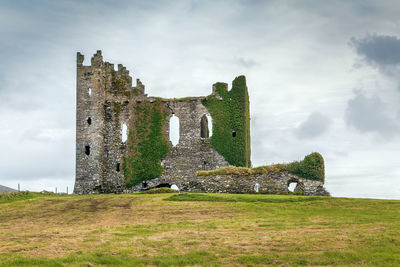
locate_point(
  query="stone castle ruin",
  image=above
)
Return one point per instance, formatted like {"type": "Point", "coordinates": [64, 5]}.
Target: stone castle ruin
{"type": "Point", "coordinates": [123, 144]}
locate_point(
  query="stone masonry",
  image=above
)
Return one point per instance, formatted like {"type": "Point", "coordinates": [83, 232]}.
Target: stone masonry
{"type": "Point", "coordinates": [105, 100]}
{"type": "Point", "coordinates": [271, 183]}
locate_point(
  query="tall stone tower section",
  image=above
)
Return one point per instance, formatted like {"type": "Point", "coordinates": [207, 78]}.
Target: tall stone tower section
{"type": "Point", "coordinates": [122, 134]}
{"type": "Point", "coordinates": [104, 96]}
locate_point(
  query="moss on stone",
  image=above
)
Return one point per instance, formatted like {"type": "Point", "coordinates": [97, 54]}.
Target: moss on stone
{"type": "Point", "coordinates": [146, 144]}
{"type": "Point", "coordinates": [231, 122]}
{"type": "Point", "coordinates": [120, 83]}
{"type": "Point", "coordinates": [311, 167]}
{"type": "Point", "coordinates": [179, 99]}
{"type": "Point", "coordinates": [117, 111]}
{"type": "Point", "coordinates": [127, 94]}
{"type": "Point", "coordinates": [117, 108]}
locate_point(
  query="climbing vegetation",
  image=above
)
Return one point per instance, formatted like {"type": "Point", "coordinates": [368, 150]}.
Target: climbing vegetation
{"type": "Point", "coordinates": [231, 121]}
{"type": "Point", "coordinates": [146, 144]}
{"type": "Point", "coordinates": [311, 167]}
{"type": "Point", "coordinates": [120, 82]}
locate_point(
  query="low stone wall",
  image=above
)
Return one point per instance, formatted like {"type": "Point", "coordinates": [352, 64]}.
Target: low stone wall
{"type": "Point", "coordinates": [271, 183]}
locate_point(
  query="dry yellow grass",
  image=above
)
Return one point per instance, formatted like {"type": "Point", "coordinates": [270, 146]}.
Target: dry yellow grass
{"type": "Point", "coordinates": [223, 230]}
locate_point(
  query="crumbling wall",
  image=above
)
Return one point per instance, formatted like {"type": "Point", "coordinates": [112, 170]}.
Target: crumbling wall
{"type": "Point", "coordinates": [112, 165]}
{"type": "Point", "coordinates": [105, 163]}
{"type": "Point", "coordinates": [267, 183]}
{"type": "Point", "coordinates": [193, 152]}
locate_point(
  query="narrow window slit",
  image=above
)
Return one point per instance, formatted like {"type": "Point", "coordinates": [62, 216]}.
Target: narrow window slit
{"type": "Point", "coordinates": [204, 133]}
{"type": "Point", "coordinates": [124, 132]}
{"type": "Point", "coordinates": [257, 187]}
{"type": "Point", "coordinates": [118, 167]}
{"type": "Point", "coordinates": [87, 150]}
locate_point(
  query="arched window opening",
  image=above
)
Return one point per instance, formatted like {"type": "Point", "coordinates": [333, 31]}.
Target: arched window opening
{"type": "Point", "coordinates": [174, 130]}
{"type": "Point", "coordinates": [89, 120]}
{"type": "Point", "coordinates": [175, 187]}
{"type": "Point", "coordinates": [118, 167]}
{"type": "Point", "coordinates": [87, 150]}
{"type": "Point", "coordinates": [90, 91]}
{"type": "Point", "coordinates": [233, 133]}
{"type": "Point", "coordinates": [210, 129]}
{"type": "Point", "coordinates": [292, 186]}
{"type": "Point", "coordinates": [124, 130]}
{"type": "Point", "coordinates": [204, 133]}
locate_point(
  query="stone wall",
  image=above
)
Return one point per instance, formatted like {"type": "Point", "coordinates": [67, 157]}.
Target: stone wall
{"type": "Point", "coordinates": [271, 183]}
{"type": "Point", "coordinates": [193, 152]}
{"type": "Point", "coordinates": [106, 100]}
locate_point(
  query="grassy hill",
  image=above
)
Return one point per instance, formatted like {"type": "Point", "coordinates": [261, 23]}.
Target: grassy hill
{"type": "Point", "coordinates": [4, 189]}
{"type": "Point", "coordinates": [197, 229]}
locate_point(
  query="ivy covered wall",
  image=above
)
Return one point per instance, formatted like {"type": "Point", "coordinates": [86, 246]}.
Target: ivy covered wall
{"type": "Point", "coordinates": [147, 143]}
{"type": "Point", "coordinates": [231, 121]}
{"type": "Point", "coordinates": [312, 167]}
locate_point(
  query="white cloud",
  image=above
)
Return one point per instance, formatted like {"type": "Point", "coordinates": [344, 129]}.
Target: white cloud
{"type": "Point", "coordinates": [369, 114]}
{"type": "Point", "coordinates": [315, 125]}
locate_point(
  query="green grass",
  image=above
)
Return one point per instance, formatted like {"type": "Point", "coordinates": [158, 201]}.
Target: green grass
{"type": "Point", "coordinates": [103, 259]}
{"type": "Point", "coordinates": [15, 196]}
{"type": "Point", "coordinates": [198, 229]}
{"type": "Point", "coordinates": [160, 190]}
{"type": "Point", "coordinates": [240, 198]}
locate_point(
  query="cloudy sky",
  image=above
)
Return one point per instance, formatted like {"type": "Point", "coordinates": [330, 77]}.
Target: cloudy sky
{"type": "Point", "coordinates": [322, 75]}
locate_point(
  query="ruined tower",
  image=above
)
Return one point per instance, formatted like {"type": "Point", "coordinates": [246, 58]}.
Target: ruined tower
{"type": "Point", "coordinates": [109, 107]}
{"type": "Point", "coordinates": [123, 144]}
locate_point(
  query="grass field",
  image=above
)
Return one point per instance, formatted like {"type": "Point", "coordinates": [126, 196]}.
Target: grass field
{"type": "Point", "coordinates": [198, 229]}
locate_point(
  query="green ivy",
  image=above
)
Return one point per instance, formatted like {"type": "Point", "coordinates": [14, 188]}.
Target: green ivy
{"type": "Point", "coordinates": [311, 167]}
{"type": "Point", "coordinates": [146, 144]}
{"type": "Point", "coordinates": [231, 116]}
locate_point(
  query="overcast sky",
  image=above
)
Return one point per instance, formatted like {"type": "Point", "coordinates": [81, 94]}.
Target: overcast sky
{"type": "Point", "coordinates": [322, 76]}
